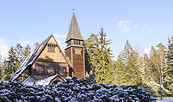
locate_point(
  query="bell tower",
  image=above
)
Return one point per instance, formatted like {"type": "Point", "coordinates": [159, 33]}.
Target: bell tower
{"type": "Point", "coordinates": [75, 48]}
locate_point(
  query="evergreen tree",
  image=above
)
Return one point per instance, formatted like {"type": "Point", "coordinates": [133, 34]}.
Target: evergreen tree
{"type": "Point", "coordinates": [0, 59]}
{"type": "Point", "coordinates": [91, 52]}
{"type": "Point", "coordinates": [153, 65]}
{"type": "Point", "coordinates": [25, 52]}
{"type": "Point", "coordinates": [18, 52]}
{"type": "Point", "coordinates": [11, 64]}
{"type": "Point", "coordinates": [36, 45]}
{"type": "Point", "coordinates": [169, 62]}
{"type": "Point", "coordinates": [0, 66]}
{"type": "Point", "coordinates": [16, 56]}
{"type": "Point", "coordinates": [127, 68]}
{"type": "Point", "coordinates": [147, 71]}
{"type": "Point", "coordinates": [99, 57]}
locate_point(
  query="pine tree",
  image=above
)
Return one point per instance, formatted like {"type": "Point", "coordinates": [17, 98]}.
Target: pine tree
{"type": "Point", "coordinates": [16, 56]}
{"type": "Point", "coordinates": [127, 68]}
{"type": "Point", "coordinates": [25, 52]}
{"type": "Point", "coordinates": [169, 62]}
{"type": "Point", "coordinates": [99, 57]}
{"type": "Point", "coordinates": [10, 64]}
{"type": "Point", "coordinates": [18, 52]}
{"type": "Point", "coordinates": [153, 65]}
{"type": "Point", "coordinates": [0, 59]}
{"type": "Point", "coordinates": [147, 71]}
{"type": "Point", "coordinates": [36, 45]}
{"type": "Point", "coordinates": [91, 52]}
{"type": "Point", "coordinates": [0, 66]}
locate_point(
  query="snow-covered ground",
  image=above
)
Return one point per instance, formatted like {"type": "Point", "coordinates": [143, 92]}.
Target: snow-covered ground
{"type": "Point", "coordinates": [164, 99]}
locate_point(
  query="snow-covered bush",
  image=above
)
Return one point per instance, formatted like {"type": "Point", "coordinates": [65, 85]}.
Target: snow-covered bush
{"type": "Point", "coordinates": [154, 88]}
{"type": "Point", "coordinates": [73, 90]}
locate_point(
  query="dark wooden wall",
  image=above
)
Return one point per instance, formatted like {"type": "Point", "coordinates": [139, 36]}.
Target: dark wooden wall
{"type": "Point", "coordinates": [78, 63]}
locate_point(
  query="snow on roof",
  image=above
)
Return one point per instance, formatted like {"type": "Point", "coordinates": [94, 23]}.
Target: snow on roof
{"type": "Point", "coordinates": [28, 61]}
{"type": "Point", "coordinates": [31, 58]}
{"type": "Point", "coordinates": [39, 80]}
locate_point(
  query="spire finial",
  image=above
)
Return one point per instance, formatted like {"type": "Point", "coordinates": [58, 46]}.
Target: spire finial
{"type": "Point", "coordinates": [73, 10]}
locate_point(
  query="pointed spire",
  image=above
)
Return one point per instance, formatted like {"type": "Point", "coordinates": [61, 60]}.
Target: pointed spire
{"type": "Point", "coordinates": [74, 31]}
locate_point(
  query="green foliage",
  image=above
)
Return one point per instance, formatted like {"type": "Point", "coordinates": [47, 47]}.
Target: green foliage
{"type": "Point", "coordinates": [154, 69]}
{"type": "Point", "coordinates": [16, 56]}
{"type": "Point", "coordinates": [0, 66]}
{"type": "Point", "coordinates": [157, 63]}
{"type": "Point", "coordinates": [169, 68]}
{"type": "Point", "coordinates": [154, 88]}
{"type": "Point", "coordinates": [36, 45]}
{"type": "Point", "coordinates": [127, 67]}
{"type": "Point", "coordinates": [98, 57]}
{"type": "Point", "coordinates": [11, 64]}
{"type": "Point", "coordinates": [25, 52]}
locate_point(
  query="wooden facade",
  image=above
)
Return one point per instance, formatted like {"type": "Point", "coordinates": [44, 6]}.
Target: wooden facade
{"type": "Point", "coordinates": [48, 61]}
{"type": "Point", "coordinates": [78, 62]}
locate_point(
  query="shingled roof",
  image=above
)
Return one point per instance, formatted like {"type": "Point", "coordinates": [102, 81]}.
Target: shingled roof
{"type": "Point", "coordinates": [32, 58]}
{"type": "Point", "coordinates": [74, 31]}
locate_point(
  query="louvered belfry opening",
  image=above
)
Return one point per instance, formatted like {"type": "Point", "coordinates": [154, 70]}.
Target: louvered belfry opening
{"type": "Point", "coordinates": [51, 48]}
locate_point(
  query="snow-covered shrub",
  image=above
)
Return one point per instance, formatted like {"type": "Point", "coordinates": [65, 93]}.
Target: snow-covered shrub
{"type": "Point", "coordinates": [154, 88]}
{"type": "Point", "coordinates": [73, 90]}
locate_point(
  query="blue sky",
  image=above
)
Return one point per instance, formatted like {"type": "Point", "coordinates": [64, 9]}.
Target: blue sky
{"type": "Point", "coordinates": [143, 23]}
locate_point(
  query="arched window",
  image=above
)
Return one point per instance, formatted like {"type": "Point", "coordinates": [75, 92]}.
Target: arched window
{"type": "Point", "coordinates": [61, 71]}
{"type": "Point", "coordinates": [51, 70]}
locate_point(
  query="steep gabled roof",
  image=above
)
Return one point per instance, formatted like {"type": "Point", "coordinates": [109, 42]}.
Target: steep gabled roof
{"type": "Point", "coordinates": [33, 57]}
{"type": "Point", "coordinates": [74, 31]}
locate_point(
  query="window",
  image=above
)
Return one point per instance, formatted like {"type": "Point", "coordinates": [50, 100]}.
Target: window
{"type": "Point", "coordinates": [51, 48]}
{"type": "Point", "coordinates": [51, 70]}
{"type": "Point", "coordinates": [62, 71]}
{"type": "Point", "coordinates": [40, 69]}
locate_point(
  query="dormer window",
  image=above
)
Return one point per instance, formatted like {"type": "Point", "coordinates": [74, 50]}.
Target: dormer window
{"type": "Point", "coordinates": [51, 48]}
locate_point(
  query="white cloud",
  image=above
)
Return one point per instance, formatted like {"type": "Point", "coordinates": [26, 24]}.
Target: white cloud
{"type": "Point", "coordinates": [24, 42]}
{"type": "Point", "coordinates": [126, 30]}
{"type": "Point", "coordinates": [140, 27]}
{"type": "Point", "coordinates": [124, 25]}
{"type": "Point", "coordinates": [60, 39]}
{"type": "Point", "coordinates": [3, 48]}
{"type": "Point", "coordinates": [58, 36]}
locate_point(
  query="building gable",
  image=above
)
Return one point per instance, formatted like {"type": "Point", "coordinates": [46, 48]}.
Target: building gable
{"type": "Point", "coordinates": [52, 41]}
{"type": "Point", "coordinates": [49, 56]}
{"type": "Point", "coordinates": [52, 52]}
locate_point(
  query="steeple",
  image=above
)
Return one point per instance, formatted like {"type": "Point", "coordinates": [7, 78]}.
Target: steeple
{"type": "Point", "coordinates": [74, 31]}
{"type": "Point", "coordinates": [75, 49]}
